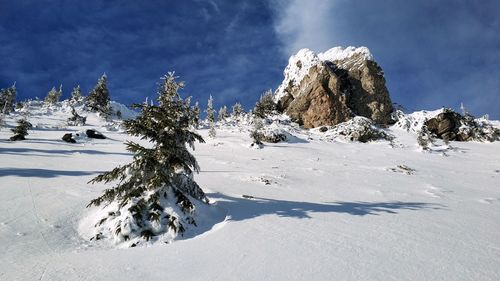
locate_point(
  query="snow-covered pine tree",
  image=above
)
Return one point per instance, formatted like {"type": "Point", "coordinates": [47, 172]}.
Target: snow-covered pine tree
{"type": "Point", "coordinates": [76, 119]}
{"type": "Point", "coordinates": [156, 196]}
{"type": "Point", "coordinates": [211, 117]}
{"type": "Point", "coordinates": [237, 110]}
{"type": "Point", "coordinates": [76, 95]}
{"type": "Point", "coordinates": [98, 99]}
{"type": "Point", "coordinates": [8, 99]}
{"type": "Point", "coordinates": [223, 113]}
{"type": "Point", "coordinates": [424, 138]}
{"type": "Point", "coordinates": [21, 130]}
{"type": "Point", "coordinates": [196, 110]}
{"type": "Point", "coordinates": [256, 133]}
{"type": "Point", "coordinates": [265, 106]}
{"type": "Point", "coordinates": [53, 96]}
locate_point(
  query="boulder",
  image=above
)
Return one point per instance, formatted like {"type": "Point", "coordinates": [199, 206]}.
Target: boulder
{"type": "Point", "coordinates": [17, 138]}
{"type": "Point", "coordinates": [68, 138]}
{"type": "Point", "coordinates": [93, 134]}
{"type": "Point", "coordinates": [330, 88]}
{"type": "Point", "coordinates": [452, 126]}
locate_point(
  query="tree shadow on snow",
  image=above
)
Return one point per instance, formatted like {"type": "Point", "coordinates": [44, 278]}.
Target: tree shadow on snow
{"type": "Point", "coordinates": [243, 208]}
{"type": "Point", "coordinates": [42, 173]}
{"type": "Point", "coordinates": [51, 152]}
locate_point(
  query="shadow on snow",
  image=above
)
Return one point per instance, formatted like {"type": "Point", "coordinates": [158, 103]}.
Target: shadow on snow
{"type": "Point", "coordinates": [42, 173]}
{"type": "Point", "coordinates": [49, 152]}
{"type": "Point", "coordinates": [242, 208]}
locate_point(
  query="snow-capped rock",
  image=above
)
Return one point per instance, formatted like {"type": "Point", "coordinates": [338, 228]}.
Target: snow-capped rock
{"type": "Point", "coordinates": [332, 87]}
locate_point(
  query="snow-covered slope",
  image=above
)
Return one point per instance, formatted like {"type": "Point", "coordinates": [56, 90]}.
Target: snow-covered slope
{"type": "Point", "coordinates": [308, 209]}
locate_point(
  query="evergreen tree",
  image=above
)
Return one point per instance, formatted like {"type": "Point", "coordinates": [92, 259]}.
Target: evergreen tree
{"type": "Point", "coordinates": [424, 138]}
{"type": "Point", "coordinates": [98, 99]}
{"type": "Point", "coordinates": [223, 113]}
{"type": "Point", "coordinates": [211, 117]}
{"type": "Point", "coordinates": [196, 119]}
{"type": "Point", "coordinates": [76, 119]}
{"type": "Point", "coordinates": [8, 99]}
{"type": "Point", "coordinates": [53, 95]}
{"type": "Point", "coordinates": [156, 194]}
{"type": "Point", "coordinates": [76, 95]}
{"type": "Point", "coordinates": [265, 106]}
{"type": "Point", "coordinates": [256, 133]}
{"type": "Point", "coordinates": [21, 130]}
{"type": "Point", "coordinates": [210, 110]}
{"type": "Point", "coordinates": [237, 110]}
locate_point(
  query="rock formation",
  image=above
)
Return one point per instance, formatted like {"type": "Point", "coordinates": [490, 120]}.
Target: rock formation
{"type": "Point", "coordinates": [449, 125]}
{"type": "Point", "coordinates": [332, 87]}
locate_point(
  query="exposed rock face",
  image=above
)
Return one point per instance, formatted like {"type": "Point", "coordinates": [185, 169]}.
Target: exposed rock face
{"type": "Point", "coordinates": [333, 87]}
{"type": "Point", "coordinates": [93, 134]}
{"type": "Point", "coordinates": [17, 138]}
{"type": "Point", "coordinates": [451, 126]}
{"type": "Point", "coordinates": [68, 138]}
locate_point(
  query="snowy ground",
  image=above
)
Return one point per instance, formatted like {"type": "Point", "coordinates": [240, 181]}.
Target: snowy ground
{"type": "Point", "coordinates": [312, 210]}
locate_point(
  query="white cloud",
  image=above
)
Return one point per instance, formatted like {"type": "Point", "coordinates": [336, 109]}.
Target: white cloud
{"type": "Point", "coordinates": [305, 24]}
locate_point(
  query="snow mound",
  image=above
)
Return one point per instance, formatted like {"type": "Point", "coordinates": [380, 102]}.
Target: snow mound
{"type": "Point", "coordinates": [126, 113]}
{"type": "Point", "coordinates": [415, 121]}
{"type": "Point", "coordinates": [299, 64]}
{"type": "Point", "coordinates": [118, 228]}
{"type": "Point", "coordinates": [359, 129]}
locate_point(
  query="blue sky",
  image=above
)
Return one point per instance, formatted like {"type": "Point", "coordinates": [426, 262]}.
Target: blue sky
{"type": "Point", "coordinates": [434, 53]}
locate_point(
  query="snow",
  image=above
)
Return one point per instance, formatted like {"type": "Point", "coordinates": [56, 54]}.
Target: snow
{"type": "Point", "coordinates": [306, 209]}
{"type": "Point", "coordinates": [300, 64]}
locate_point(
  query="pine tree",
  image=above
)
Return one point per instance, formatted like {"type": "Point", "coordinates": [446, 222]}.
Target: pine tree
{"type": "Point", "coordinates": [8, 99]}
{"type": "Point", "coordinates": [76, 119]}
{"type": "Point", "coordinates": [98, 99]}
{"type": "Point", "coordinates": [237, 110]}
{"type": "Point", "coordinates": [21, 130]}
{"type": "Point", "coordinates": [223, 113]}
{"type": "Point", "coordinates": [76, 95]}
{"type": "Point", "coordinates": [265, 106]}
{"type": "Point", "coordinates": [53, 95]}
{"type": "Point", "coordinates": [196, 119]}
{"type": "Point", "coordinates": [256, 133]}
{"type": "Point", "coordinates": [424, 138]}
{"type": "Point", "coordinates": [156, 195]}
{"type": "Point", "coordinates": [210, 110]}
{"type": "Point", "coordinates": [211, 117]}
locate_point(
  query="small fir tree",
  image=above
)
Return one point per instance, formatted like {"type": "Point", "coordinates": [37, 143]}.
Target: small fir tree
{"type": "Point", "coordinates": [8, 99]}
{"type": "Point", "coordinates": [53, 96]}
{"type": "Point", "coordinates": [210, 110]}
{"type": "Point", "coordinates": [237, 110]}
{"type": "Point", "coordinates": [76, 119]}
{"type": "Point", "coordinates": [211, 117]}
{"type": "Point", "coordinates": [98, 99]}
{"type": "Point", "coordinates": [156, 195]}
{"type": "Point", "coordinates": [256, 133]}
{"type": "Point", "coordinates": [76, 95]}
{"type": "Point", "coordinates": [21, 130]}
{"type": "Point", "coordinates": [196, 119]}
{"type": "Point", "coordinates": [424, 138]}
{"type": "Point", "coordinates": [223, 114]}
{"type": "Point", "coordinates": [265, 106]}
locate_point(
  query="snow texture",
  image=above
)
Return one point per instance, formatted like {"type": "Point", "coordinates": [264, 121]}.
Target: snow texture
{"type": "Point", "coordinates": [305, 209]}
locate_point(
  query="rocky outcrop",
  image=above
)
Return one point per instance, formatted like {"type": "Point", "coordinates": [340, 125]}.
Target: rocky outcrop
{"type": "Point", "coordinates": [333, 87]}
{"type": "Point", "coordinates": [93, 134]}
{"type": "Point", "coordinates": [68, 138]}
{"type": "Point", "coordinates": [452, 126]}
